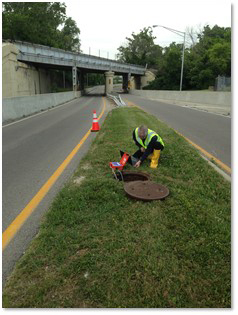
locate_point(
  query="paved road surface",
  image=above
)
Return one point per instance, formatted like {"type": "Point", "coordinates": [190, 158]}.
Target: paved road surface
{"type": "Point", "coordinates": [210, 131]}
{"type": "Point", "coordinates": [32, 150]}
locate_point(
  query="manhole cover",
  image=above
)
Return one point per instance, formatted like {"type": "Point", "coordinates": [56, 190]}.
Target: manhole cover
{"type": "Point", "coordinates": [129, 176]}
{"type": "Point", "coordinates": [146, 190]}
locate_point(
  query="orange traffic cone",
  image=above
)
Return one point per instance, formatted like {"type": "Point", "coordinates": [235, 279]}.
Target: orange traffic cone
{"type": "Point", "coordinates": [95, 126]}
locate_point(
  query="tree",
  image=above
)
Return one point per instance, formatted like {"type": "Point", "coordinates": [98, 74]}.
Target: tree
{"type": "Point", "coordinates": [69, 35]}
{"type": "Point", "coordinates": [210, 57]}
{"type": "Point", "coordinates": [169, 70]}
{"type": "Point", "coordinates": [39, 23]}
{"type": "Point", "coordinates": [141, 49]}
{"type": "Point", "coordinates": [219, 56]}
{"type": "Point", "coordinates": [207, 58]}
{"type": "Point", "coordinates": [95, 79]}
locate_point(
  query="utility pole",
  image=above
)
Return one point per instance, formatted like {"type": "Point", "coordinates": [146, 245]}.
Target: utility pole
{"type": "Point", "coordinates": [181, 77]}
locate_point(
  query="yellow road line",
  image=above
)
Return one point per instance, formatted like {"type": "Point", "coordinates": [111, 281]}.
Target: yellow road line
{"type": "Point", "coordinates": [12, 229]}
{"type": "Point", "coordinates": [208, 155]}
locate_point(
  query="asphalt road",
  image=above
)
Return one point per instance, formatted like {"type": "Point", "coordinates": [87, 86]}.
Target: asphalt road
{"type": "Point", "coordinates": [32, 149]}
{"type": "Point", "coordinates": [210, 131]}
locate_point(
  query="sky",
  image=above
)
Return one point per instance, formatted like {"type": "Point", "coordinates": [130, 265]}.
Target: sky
{"type": "Point", "coordinates": [104, 24]}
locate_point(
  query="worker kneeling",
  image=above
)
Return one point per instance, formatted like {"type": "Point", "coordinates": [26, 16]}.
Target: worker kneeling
{"type": "Point", "coordinates": [150, 144]}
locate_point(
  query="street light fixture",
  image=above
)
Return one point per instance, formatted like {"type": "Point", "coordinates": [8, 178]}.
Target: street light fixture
{"type": "Point", "coordinates": [178, 33]}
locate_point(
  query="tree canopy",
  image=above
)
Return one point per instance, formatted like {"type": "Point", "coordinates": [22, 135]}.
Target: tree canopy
{"type": "Point", "coordinates": [140, 49]}
{"type": "Point", "coordinates": [42, 23]}
{"type": "Point", "coordinates": [205, 59]}
{"type": "Point", "coordinates": [210, 57]}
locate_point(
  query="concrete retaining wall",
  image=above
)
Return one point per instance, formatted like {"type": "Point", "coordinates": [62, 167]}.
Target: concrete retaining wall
{"type": "Point", "coordinates": [212, 101]}
{"type": "Point", "coordinates": [18, 107]}
{"type": "Point", "coordinates": [20, 79]}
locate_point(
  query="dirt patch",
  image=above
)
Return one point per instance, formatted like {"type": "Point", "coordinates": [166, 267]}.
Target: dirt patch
{"type": "Point", "coordinates": [86, 166]}
{"type": "Point", "coordinates": [78, 180]}
{"type": "Point", "coordinates": [82, 252]}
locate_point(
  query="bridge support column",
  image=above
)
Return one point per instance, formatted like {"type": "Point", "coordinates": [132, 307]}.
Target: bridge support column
{"type": "Point", "coordinates": [74, 78]}
{"type": "Point", "coordinates": [81, 82]}
{"type": "Point", "coordinates": [125, 82]}
{"type": "Point", "coordinates": [109, 82]}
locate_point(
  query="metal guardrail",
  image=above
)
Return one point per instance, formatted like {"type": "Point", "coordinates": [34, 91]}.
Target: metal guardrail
{"type": "Point", "coordinates": [35, 53]}
{"type": "Point", "coordinates": [117, 99]}
{"type": "Point", "coordinates": [121, 101]}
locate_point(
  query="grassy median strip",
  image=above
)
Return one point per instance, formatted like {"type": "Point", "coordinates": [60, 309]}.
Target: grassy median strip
{"type": "Point", "coordinates": [98, 248]}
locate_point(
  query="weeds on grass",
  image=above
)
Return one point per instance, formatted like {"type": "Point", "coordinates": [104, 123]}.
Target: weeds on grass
{"type": "Point", "coordinates": [97, 248]}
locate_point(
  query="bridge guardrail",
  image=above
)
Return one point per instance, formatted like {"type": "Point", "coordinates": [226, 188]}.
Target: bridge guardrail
{"type": "Point", "coordinates": [36, 53]}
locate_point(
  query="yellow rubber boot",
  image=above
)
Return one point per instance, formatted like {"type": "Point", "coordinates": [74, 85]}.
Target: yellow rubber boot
{"type": "Point", "coordinates": [155, 159]}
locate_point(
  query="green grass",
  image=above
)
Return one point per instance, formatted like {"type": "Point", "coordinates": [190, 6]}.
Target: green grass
{"type": "Point", "coordinates": [98, 248]}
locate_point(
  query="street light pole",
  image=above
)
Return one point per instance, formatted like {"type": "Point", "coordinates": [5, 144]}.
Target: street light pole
{"type": "Point", "coordinates": [178, 33]}
{"type": "Point", "coordinates": [181, 77]}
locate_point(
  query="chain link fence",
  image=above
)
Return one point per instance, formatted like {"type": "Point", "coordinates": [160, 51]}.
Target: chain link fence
{"type": "Point", "coordinates": [223, 83]}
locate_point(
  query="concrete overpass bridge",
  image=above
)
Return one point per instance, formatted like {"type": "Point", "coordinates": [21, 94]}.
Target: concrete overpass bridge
{"type": "Point", "coordinates": [81, 64]}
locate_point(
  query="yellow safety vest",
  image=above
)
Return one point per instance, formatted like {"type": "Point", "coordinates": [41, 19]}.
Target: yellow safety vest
{"type": "Point", "coordinates": [150, 135]}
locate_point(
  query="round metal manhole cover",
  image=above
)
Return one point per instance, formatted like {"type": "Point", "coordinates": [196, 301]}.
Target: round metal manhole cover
{"type": "Point", "coordinates": [146, 190]}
